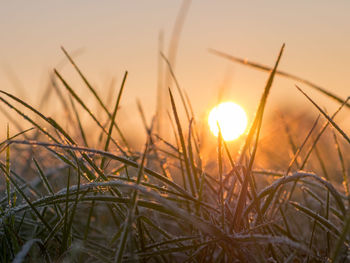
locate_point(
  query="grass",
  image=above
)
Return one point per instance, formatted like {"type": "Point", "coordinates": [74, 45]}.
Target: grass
{"type": "Point", "coordinates": [65, 201]}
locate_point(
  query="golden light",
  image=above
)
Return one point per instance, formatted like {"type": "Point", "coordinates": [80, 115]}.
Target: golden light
{"type": "Point", "coordinates": [231, 118]}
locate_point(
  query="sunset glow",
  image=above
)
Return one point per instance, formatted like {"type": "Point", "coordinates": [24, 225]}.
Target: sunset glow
{"type": "Point", "coordinates": [231, 118]}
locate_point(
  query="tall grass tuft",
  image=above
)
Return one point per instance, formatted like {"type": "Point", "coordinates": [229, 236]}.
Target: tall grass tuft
{"type": "Point", "coordinates": [65, 201]}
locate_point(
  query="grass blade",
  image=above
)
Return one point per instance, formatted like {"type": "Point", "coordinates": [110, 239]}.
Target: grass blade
{"type": "Point", "coordinates": [255, 128]}
{"type": "Point", "coordinates": [77, 98]}
{"type": "Point", "coordinates": [113, 117]}
{"type": "Point", "coordinates": [127, 225]}
{"type": "Point", "coordinates": [182, 141]}
{"type": "Point", "coordinates": [281, 73]}
{"type": "Point", "coordinates": [326, 116]}
{"type": "Point", "coordinates": [37, 213]}
{"type": "Point", "coordinates": [93, 92]}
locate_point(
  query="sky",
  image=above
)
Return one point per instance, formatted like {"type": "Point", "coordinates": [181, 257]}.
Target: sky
{"type": "Point", "coordinates": [110, 37]}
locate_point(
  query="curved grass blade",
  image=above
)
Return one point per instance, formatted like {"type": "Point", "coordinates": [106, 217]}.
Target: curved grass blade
{"type": "Point", "coordinates": [281, 73]}
{"type": "Point", "coordinates": [111, 156]}
{"type": "Point", "coordinates": [320, 219]}
{"type": "Point", "coordinates": [271, 189]}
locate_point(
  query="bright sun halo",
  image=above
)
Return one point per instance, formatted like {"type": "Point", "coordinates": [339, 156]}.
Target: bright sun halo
{"type": "Point", "coordinates": [231, 118]}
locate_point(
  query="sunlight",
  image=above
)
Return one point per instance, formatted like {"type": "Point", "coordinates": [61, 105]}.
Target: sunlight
{"type": "Point", "coordinates": [231, 118]}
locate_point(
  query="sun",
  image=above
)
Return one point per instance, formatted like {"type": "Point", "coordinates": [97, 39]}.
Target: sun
{"type": "Point", "coordinates": [231, 118]}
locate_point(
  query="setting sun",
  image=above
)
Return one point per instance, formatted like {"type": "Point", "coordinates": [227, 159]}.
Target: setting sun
{"type": "Point", "coordinates": [231, 118]}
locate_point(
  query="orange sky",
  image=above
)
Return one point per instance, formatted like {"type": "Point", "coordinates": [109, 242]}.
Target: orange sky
{"type": "Point", "coordinates": [123, 35]}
